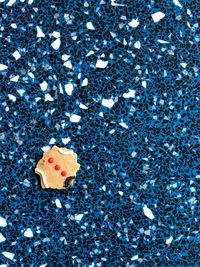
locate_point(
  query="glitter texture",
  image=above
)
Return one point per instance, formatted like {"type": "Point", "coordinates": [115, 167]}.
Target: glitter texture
{"type": "Point", "coordinates": [117, 82]}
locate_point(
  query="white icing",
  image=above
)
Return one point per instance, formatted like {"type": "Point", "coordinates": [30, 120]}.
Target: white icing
{"type": "Point", "coordinates": [43, 177]}
{"type": "Point", "coordinates": [65, 152]}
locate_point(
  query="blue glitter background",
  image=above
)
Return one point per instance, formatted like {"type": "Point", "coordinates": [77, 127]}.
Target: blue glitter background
{"type": "Point", "coordinates": [117, 82]}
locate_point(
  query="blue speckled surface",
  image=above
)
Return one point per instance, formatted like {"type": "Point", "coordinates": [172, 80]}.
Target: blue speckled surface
{"type": "Point", "coordinates": [122, 91]}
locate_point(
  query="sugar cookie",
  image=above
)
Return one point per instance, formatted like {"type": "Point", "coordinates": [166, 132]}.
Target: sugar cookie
{"type": "Point", "coordinates": [56, 165]}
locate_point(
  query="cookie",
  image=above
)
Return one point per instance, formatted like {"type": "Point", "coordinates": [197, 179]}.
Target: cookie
{"type": "Point", "coordinates": [56, 165]}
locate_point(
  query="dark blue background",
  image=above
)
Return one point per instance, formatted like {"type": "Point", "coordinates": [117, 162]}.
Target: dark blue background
{"type": "Point", "coordinates": [162, 123]}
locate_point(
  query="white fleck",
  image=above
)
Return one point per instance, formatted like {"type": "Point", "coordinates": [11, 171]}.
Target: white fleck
{"type": "Point", "coordinates": [56, 44]}
{"type": "Point", "coordinates": [8, 255]}
{"type": "Point", "coordinates": [26, 182]}
{"type": "Point", "coordinates": [133, 154]}
{"type": "Point", "coordinates": [144, 84]}
{"type": "Point", "coordinates": [137, 44]}
{"type": "Point", "coordinates": [66, 140]}
{"type": "Point", "coordinates": [15, 78]}
{"type": "Point", "coordinates": [67, 206]}
{"type": "Point", "coordinates": [115, 4]}
{"type": "Point", "coordinates": [177, 3]}
{"type": "Point", "coordinates": [12, 97]}
{"type": "Point", "coordinates": [3, 265]}
{"type": "Point", "coordinates": [11, 2]}
{"type": "Point", "coordinates": [74, 37]}
{"type": "Point", "coordinates": [158, 16]}
{"type": "Point", "coordinates": [147, 232]}
{"type": "Point", "coordinates": [39, 32]}
{"type": "Point", "coordinates": [3, 67]}
{"type": "Point", "coordinates": [58, 203]}
{"type": "Point", "coordinates": [135, 258]}
{"type": "Point", "coordinates": [130, 94]}
{"type": "Point", "coordinates": [69, 88]}
{"type": "Point", "coordinates": [101, 114]}
{"type": "Point", "coordinates": [61, 89]}
{"type": "Point", "coordinates": [52, 141]}
{"type": "Point", "coordinates": [31, 75]}
{"type": "Point", "coordinates": [30, 2]}
{"type": "Point", "coordinates": [14, 25]}
{"type": "Point", "coordinates": [121, 193]}
{"type": "Point", "coordinates": [2, 238]}
{"type": "Point", "coordinates": [78, 217]}
{"type": "Point", "coordinates": [108, 103]}
{"type": "Point", "coordinates": [28, 233]}
{"type": "Point", "coordinates": [123, 125]}
{"type": "Point", "coordinates": [65, 57]}
{"type": "Point", "coordinates": [169, 240]}
{"type": "Point", "coordinates": [104, 188]}
{"type": "Point", "coordinates": [45, 148]}
{"type": "Point", "coordinates": [112, 131]}
{"type": "Point", "coordinates": [37, 99]}
{"type": "Point", "coordinates": [148, 212]}
{"type": "Point", "coordinates": [83, 106]}
{"type": "Point", "coordinates": [48, 97]}
{"type": "Point", "coordinates": [85, 82]}
{"type": "Point", "coordinates": [75, 118]}
{"type": "Point", "coordinates": [90, 53]}
{"type": "Point", "coordinates": [162, 101]}
{"type": "Point", "coordinates": [189, 12]}
{"type": "Point", "coordinates": [162, 41]}
{"type": "Point", "coordinates": [43, 265]}
{"type": "Point", "coordinates": [56, 34]}
{"type": "Point", "coordinates": [90, 26]}
{"type": "Point", "coordinates": [68, 64]}
{"type": "Point", "coordinates": [183, 64]}
{"type": "Point", "coordinates": [134, 23]}
{"type": "Point", "coordinates": [44, 85]}
{"type": "Point", "coordinates": [16, 55]}
{"type": "Point", "coordinates": [101, 64]}
{"type": "Point", "coordinates": [127, 184]}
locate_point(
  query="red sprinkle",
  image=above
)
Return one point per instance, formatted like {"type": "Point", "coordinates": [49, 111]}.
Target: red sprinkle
{"type": "Point", "coordinates": [57, 167]}
{"type": "Point", "coordinates": [63, 173]}
{"type": "Point", "coordinates": [50, 160]}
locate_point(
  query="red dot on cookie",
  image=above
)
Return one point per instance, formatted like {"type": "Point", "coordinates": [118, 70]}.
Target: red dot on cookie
{"type": "Point", "coordinates": [63, 173]}
{"type": "Point", "coordinates": [50, 160]}
{"type": "Point", "coordinates": [57, 167]}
